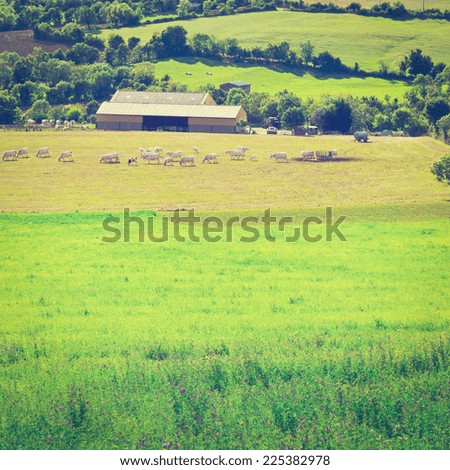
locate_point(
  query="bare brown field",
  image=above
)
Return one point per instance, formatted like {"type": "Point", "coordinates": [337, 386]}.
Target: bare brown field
{"type": "Point", "coordinates": [23, 43]}
{"type": "Point", "coordinates": [385, 171]}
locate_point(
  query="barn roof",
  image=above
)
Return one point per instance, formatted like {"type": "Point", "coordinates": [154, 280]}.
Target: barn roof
{"type": "Point", "coordinates": [237, 83]}
{"type": "Point", "coordinates": [145, 109]}
{"type": "Point", "coordinates": [159, 97]}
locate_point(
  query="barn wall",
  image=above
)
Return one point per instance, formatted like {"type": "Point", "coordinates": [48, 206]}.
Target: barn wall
{"type": "Point", "coordinates": [209, 100]}
{"type": "Point", "coordinates": [118, 118]}
{"type": "Point", "coordinates": [119, 123]}
{"type": "Point", "coordinates": [119, 126]}
{"type": "Point", "coordinates": [212, 125]}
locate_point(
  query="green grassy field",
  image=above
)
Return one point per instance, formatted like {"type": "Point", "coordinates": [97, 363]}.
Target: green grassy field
{"type": "Point", "coordinates": [271, 81]}
{"type": "Point", "coordinates": [388, 170]}
{"type": "Point", "coordinates": [409, 4]}
{"type": "Point", "coordinates": [227, 345]}
{"type": "Point", "coordinates": [352, 38]}
{"type": "Point", "coordinates": [340, 345]}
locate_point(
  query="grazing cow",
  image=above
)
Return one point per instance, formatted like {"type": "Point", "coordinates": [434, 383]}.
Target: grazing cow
{"type": "Point", "coordinates": [110, 158]}
{"type": "Point", "coordinates": [43, 152]}
{"type": "Point", "coordinates": [210, 158]}
{"type": "Point", "coordinates": [235, 154]}
{"type": "Point", "coordinates": [22, 153]}
{"type": "Point", "coordinates": [66, 156]}
{"type": "Point", "coordinates": [168, 161]}
{"type": "Point", "coordinates": [152, 157]}
{"type": "Point", "coordinates": [175, 155]}
{"type": "Point", "coordinates": [9, 156]}
{"type": "Point", "coordinates": [279, 157]}
{"type": "Point", "coordinates": [188, 159]}
{"type": "Point", "coordinates": [308, 155]}
{"type": "Point", "coordinates": [132, 161]}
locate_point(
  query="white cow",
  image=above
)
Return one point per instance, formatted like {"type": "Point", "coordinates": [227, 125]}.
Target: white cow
{"type": "Point", "coordinates": [151, 157]}
{"type": "Point", "coordinates": [22, 153]}
{"type": "Point", "coordinates": [210, 158]}
{"type": "Point", "coordinates": [43, 152]}
{"type": "Point", "coordinates": [307, 154]}
{"type": "Point", "coordinates": [236, 154]}
{"type": "Point", "coordinates": [187, 159]}
{"type": "Point", "coordinates": [66, 156]}
{"type": "Point", "coordinates": [279, 157]}
{"type": "Point", "coordinates": [175, 155]}
{"type": "Point", "coordinates": [9, 155]}
{"type": "Point", "coordinates": [110, 158]}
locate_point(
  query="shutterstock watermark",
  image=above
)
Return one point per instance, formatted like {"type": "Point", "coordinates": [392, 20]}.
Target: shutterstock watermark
{"type": "Point", "coordinates": [186, 225]}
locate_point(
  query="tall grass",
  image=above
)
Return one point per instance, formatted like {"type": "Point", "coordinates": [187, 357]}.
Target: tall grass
{"type": "Point", "coordinates": [340, 345]}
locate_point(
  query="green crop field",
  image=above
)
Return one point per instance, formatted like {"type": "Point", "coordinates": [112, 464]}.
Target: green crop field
{"type": "Point", "coordinates": [223, 345]}
{"type": "Point", "coordinates": [269, 80]}
{"type": "Point", "coordinates": [352, 38]}
{"type": "Point", "coordinates": [409, 4]}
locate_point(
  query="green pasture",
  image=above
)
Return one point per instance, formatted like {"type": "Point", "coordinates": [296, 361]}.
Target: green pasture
{"type": "Point", "coordinates": [329, 345]}
{"type": "Point", "coordinates": [353, 38]}
{"type": "Point", "coordinates": [272, 80]}
{"type": "Point", "coordinates": [223, 344]}
{"type": "Point", "coordinates": [409, 4]}
{"type": "Point", "coordinates": [388, 170]}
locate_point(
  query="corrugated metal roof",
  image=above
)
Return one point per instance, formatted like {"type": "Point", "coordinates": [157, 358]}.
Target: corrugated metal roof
{"type": "Point", "coordinates": [143, 109]}
{"type": "Point", "coordinates": [158, 97]}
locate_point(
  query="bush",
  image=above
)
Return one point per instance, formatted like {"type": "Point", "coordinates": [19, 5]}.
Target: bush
{"type": "Point", "coordinates": [441, 169]}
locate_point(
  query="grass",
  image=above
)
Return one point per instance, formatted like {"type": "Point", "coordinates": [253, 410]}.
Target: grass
{"type": "Point", "coordinates": [387, 171]}
{"type": "Point", "coordinates": [409, 4]}
{"type": "Point", "coordinates": [353, 38]}
{"type": "Point", "coordinates": [227, 345]}
{"type": "Point", "coordinates": [223, 345]}
{"type": "Point", "coordinates": [272, 80]}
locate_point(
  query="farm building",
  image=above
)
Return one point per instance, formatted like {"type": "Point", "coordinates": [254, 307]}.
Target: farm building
{"type": "Point", "coordinates": [182, 112]}
{"type": "Point", "coordinates": [242, 85]}
{"type": "Point", "coordinates": [162, 98]}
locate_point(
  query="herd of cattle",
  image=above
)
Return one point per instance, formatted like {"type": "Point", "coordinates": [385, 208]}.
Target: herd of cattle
{"type": "Point", "coordinates": [44, 152]}
{"type": "Point", "coordinates": [155, 155]}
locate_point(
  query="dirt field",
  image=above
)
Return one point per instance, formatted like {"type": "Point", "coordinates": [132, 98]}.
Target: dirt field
{"type": "Point", "coordinates": [23, 43]}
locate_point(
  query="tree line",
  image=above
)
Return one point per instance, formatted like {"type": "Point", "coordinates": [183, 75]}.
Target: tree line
{"type": "Point", "coordinates": [70, 84]}
{"type": "Point", "coordinates": [27, 14]}
{"type": "Point", "coordinates": [395, 10]}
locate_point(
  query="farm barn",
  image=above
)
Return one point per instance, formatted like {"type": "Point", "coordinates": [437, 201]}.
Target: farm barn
{"type": "Point", "coordinates": [239, 84]}
{"type": "Point", "coordinates": [182, 112]}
